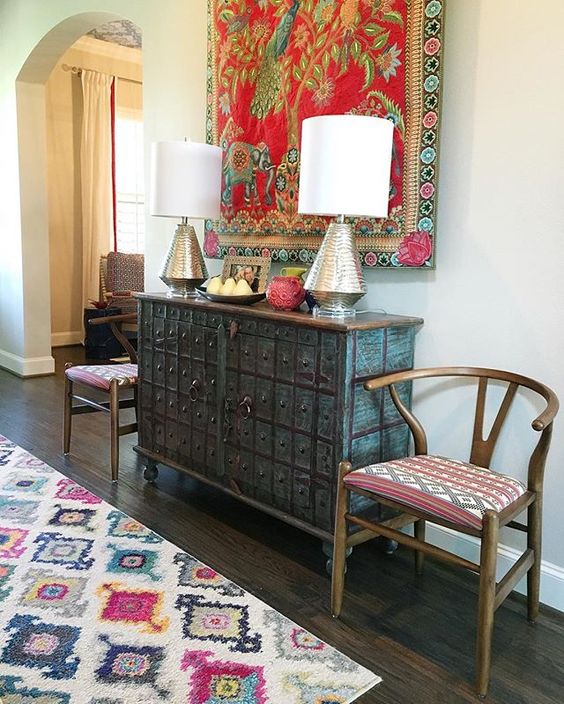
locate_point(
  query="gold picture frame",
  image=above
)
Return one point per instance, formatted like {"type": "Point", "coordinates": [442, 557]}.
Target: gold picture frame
{"type": "Point", "coordinates": [254, 269]}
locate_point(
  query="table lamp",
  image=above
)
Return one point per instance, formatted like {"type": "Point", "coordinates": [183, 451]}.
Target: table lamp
{"type": "Point", "coordinates": [185, 183]}
{"type": "Point", "coordinates": [345, 164]}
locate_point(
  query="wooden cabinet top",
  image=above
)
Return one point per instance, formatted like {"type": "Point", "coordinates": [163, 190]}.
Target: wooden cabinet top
{"type": "Point", "coordinates": [364, 320]}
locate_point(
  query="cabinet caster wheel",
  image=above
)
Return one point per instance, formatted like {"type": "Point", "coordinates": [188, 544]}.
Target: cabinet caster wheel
{"type": "Point", "coordinates": [327, 549]}
{"type": "Point", "coordinates": [390, 546]}
{"type": "Point", "coordinates": [151, 472]}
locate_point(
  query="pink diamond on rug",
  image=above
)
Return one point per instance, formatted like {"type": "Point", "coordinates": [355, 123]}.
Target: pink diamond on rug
{"type": "Point", "coordinates": [132, 606]}
{"type": "Point", "coordinates": [67, 489]}
{"type": "Point", "coordinates": [218, 681]}
{"type": "Point", "coordinates": [95, 608]}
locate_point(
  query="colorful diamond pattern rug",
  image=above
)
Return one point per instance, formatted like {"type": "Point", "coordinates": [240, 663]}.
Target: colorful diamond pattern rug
{"type": "Point", "coordinates": [97, 609]}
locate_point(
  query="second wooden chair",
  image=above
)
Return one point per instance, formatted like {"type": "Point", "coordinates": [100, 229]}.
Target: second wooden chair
{"type": "Point", "coordinates": [109, 378]}
{"type": "Point", "coordinates": [467, 497]}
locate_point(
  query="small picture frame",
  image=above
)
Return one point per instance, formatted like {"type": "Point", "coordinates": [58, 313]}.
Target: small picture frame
{"type": "Point", "coordinates": [254, 269]}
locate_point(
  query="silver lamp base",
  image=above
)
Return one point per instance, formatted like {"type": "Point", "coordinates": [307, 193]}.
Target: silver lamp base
{"type": "Point", "coordinates": [184, 267]}
{"type": "Point", "coordinates": [336, 279]}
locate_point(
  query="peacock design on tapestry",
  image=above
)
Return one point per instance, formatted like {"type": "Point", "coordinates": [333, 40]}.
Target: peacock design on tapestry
{"type": "Point", "coordinates": [269, 77]}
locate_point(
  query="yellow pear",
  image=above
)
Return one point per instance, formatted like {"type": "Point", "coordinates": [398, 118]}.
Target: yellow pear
{"type": "Point", "coordinates": [215, 285]}
{"type": "Point", "coordinates": [242, 289]}
{"type": "Point", "coordinates": [228, 287]}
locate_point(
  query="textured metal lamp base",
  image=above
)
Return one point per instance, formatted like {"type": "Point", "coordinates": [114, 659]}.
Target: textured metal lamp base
{"type": "Point", "coordinates": [333, 308]}
{"type": "Point", "coordinates": [181, 289]}
{"type": "Point", "coordinates": [184, 267]}
{"type": "Point", "coordinates": [336, 279]}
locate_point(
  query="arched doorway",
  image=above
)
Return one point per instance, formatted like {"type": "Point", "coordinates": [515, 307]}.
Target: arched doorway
{"type": "Point", "coordinates": [32, 150]}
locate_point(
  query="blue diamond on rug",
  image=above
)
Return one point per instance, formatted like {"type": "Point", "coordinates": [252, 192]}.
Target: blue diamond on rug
{"type": "Point", "coordinates": [218, 621]}
{"type": "Point", "coordinates": [133, 561]}
{"type": "Point", "coordinates": [13, 509]}
{"type": "Point", "coordinates": [73, 517]}
{"type": "Point", "coordinates": [22, 483]}
{"type": "Point", "coordinates": [131, 665]}
{"type": "Point", "coordinates": [122, 526]}
{"type": "Point", "coordinates": [49, 647]}
{"type": "Point", "coordinates": [57, 549]}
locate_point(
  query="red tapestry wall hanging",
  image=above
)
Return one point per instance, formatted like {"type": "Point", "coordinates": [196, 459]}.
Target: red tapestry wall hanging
{"type": "Point", "coordinates": [273, 63]}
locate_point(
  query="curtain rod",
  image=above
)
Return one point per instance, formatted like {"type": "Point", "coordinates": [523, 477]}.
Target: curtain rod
{"type": "Point", "coordinates": [77, 70]}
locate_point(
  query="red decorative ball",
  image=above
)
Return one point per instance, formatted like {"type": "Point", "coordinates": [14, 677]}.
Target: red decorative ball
{"type": "Point", "coordinates": [285, 292]}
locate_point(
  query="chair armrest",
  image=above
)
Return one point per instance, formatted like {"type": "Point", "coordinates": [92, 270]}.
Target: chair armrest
{"type": "Point", "coordinates": [115, 321]}
{"type": "Point", "coordinates": [540, 423]}
{"type": "Point", "coordinates": [547, 416]}
{"type": "Point", "coordinates": [388, 380]}
{"type": "Point", "coordinates": [121, 318]}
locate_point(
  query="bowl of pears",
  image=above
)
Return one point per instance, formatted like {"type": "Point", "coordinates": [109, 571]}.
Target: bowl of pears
{"type": "Point", "coordinates": [230, 291]}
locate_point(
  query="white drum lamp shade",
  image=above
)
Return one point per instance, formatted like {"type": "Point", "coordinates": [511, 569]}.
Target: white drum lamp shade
{"type": "Point", "coordinates": [345, 164]}
{"type": "Point", "coordinates": [185, 183]}
{"type": "Point", "coordinates": [185, 180]}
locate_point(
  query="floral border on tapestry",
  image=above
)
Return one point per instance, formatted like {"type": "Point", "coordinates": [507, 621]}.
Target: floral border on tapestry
{"type": "Point", "coordinates": [272, 63]}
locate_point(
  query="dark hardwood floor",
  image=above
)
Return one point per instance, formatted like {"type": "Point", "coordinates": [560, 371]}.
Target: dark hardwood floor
{"type": "Point", "coordinates": [415, 632]}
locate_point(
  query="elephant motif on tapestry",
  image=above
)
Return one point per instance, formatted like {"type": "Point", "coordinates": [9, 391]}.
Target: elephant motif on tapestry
{"type": "Point", "coordinates": [241, 164]}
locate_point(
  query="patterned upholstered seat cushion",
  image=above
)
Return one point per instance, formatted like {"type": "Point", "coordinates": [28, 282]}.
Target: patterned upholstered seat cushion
{"type": "Point", "coordinates": [101, 375]}
{"type": "Point", "coordinates": [455, 491]}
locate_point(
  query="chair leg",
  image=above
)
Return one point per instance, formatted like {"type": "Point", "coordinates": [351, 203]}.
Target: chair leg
{"type": "Point", "coordinates": [136, 398]}
{"type": "Point", "coordinates": [419, 533]}
{"type": "Point", "coordinates": [534, 540]}
{"type": "Point", "coordinates": [488, 563]}
{"type": "Point", "coordinates": [67, 416]}
{"type": "Point", "coordinates": [340, 543]}
{"type": "Point", "coordinates": [114, 429]}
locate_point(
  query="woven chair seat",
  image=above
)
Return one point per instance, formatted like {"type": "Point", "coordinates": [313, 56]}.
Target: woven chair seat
{"type": "Point", "coordinates": [101, 375]}
{"type": "Point", "coordinates": [452, 490]}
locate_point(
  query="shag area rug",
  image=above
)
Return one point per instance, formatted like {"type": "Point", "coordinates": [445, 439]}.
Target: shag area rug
{"type": "Point", "coordinates": [97, 609]}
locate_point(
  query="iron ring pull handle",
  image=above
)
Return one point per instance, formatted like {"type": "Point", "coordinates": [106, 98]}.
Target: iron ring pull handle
{"type": "Point", "coordinates": [194, 391]}
{"type": "Point", "coordinates": [245, 408]}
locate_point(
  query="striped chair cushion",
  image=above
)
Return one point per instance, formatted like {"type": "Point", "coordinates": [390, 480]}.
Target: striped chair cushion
{"type": "Point", "coordinates": [455, 491]}
{"type": "Point", "coordinates": [101, 375]}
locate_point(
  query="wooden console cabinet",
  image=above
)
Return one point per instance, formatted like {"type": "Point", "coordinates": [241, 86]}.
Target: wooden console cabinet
{"type": "Point", "coordinates": [264, 404]}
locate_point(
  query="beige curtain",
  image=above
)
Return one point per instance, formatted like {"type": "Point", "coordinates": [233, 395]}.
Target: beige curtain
{"type": "Point", "coordinates": [96, 178]}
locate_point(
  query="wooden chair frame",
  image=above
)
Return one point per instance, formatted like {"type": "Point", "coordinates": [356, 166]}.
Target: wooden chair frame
{"type": "Point", "coordinates": [491, 594]}
{"type": "Point", "coordinates": [112, 406]}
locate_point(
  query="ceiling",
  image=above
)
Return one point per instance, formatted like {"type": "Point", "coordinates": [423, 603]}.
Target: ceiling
{"type": "Point", "coordinates": [122, 32]}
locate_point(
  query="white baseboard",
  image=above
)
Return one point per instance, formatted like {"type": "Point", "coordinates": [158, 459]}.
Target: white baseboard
{"type": "Point", "coordinates": [26, 366]}
{"type": "Point", "coordinates": [62, 339]}
{"type": "Point", "coordinates": [552, 576]}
